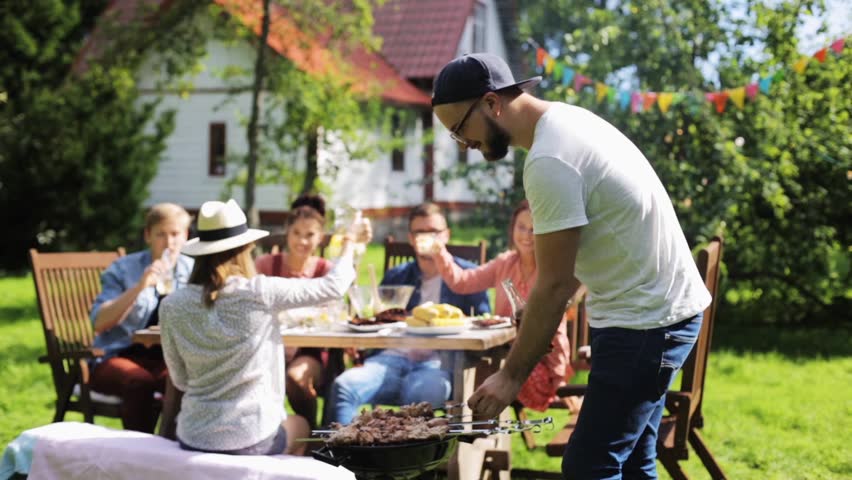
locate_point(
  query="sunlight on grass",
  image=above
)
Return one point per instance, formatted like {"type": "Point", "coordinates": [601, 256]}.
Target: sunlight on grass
{"type": "Point", "coordinates": [769, 415]}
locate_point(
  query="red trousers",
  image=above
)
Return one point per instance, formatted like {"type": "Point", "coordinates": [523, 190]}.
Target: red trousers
{"type": "Point", "coordinates": [134, 376]}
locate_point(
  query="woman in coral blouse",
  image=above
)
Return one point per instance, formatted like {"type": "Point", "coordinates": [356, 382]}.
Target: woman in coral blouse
{"type": "Point", "coordinates": [518, 264]}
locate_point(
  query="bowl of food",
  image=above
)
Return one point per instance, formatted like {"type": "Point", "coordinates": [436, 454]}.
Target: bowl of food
{"type": "Point", "coordinates": [370, 303]}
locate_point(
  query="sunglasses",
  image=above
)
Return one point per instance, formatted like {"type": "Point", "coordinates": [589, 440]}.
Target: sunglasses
{"type": "Point", "coordinates": [454, 133]}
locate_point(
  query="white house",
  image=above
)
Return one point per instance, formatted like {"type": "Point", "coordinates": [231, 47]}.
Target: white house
{"type": "Point", "coordinates": [419, 37]}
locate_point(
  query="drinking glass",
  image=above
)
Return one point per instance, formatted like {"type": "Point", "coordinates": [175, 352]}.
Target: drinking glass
{"type": "Point", "coordinates": [515, 299]}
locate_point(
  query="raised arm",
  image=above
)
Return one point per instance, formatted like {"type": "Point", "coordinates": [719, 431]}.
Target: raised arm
{"type": "Point", "coordinates": [466, 281]}
{"type": "Point", "coordinates": [282, 293]}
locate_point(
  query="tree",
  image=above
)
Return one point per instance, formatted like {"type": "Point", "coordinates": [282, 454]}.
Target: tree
{"type": "Point", "coordinates": [76, 151]}
{"type": "Point", "coordinates": [296, 113]}
{"type": "Point", "coordinates": [770, 177]}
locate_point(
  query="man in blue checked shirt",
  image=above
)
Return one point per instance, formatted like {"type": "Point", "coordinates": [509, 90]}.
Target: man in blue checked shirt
{"type": "Point", "coordinates": [131, 291]}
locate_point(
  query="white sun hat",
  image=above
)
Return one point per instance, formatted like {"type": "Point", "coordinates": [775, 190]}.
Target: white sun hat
{"type": "Point", "coordinates": [221, 227]}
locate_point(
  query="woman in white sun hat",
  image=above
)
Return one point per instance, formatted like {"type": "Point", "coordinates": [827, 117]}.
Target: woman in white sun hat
{"type": "Point", "coordinates": [222, 343]}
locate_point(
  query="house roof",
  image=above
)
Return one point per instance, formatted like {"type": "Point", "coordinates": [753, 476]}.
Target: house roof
{"type": "Point", "coordinates": [312, 56]}
{"type": "Point", "coordinates": [369, 71]}
{"type": "Point", "coordinates": [420, 37]}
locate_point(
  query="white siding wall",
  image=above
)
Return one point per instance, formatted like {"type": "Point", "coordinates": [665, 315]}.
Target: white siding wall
{"type": "Point", "coordinates": [446, 150]}
{"type": "Point", "coordinates": [373, 184]}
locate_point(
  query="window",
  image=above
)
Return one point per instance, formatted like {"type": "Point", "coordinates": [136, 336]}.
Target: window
{"type": "Point", "coordinates": [479, 27]}
{"type": "Point", "coordinates": [398, 153]}
{"type": "Point", "coordinates": [218, 150]}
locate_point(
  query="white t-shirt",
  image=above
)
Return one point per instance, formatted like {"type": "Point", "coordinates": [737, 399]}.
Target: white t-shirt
{"type": "Point", "coordinates": [633, 257]}
{"type": "Point", "coordinates": [430, 290]}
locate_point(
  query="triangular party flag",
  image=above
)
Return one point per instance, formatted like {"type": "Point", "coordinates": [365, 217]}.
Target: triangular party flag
{"type": "Point", "coordinates": [568, 76]}
{"type": "Point", "coordinates": [720, 99]}
{"type": "Point", "coordinates": [820, 55]}
{"type": "Point", "coordinates": [624, 99]}
{"type": "Point", "coordinates": [837, 46]}
{"type": "Point", "coordinates": [581, 81]}
{"type": "Point", "coordinates": [800, 65]}
{"type": "Point", "coordinates": [635, 102]}
{"type": "Point", "coordinates": [737, 96]}
{"type": "Point", "coordinates": [548, 65]}
{"type": "Point", "coordinates": [751, 91]}
{"type": "Point", "coordinates": [664, 101]}
{"type": "Point", "coordinates": [765, 83]}
{"type": "Point", "coordinates": [648, 99]}
{"type": "Point", "coordinates": [610, 96]}
{"type": "Point", "coordinates": [779, 75]}
{"type": "Point", "coordinates": [678, 97]}
{"type": "Point", "coordinates": [557, 71]}
{"type": "Point", "coordinates": [600, 90]}
{"type": "Point", "coordinates": [540, 56]}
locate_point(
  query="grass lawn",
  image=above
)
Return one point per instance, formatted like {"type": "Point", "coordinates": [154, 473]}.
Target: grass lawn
{"type": "Point", "coordinates": [778, 401]}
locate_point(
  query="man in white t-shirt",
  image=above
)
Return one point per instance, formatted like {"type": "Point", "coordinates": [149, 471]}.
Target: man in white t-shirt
{"type": "Point", "coordinates": [601, 217]}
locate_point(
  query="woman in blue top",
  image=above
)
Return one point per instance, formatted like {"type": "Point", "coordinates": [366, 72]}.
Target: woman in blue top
{"type": "Point", "coordinates": [128, 302]}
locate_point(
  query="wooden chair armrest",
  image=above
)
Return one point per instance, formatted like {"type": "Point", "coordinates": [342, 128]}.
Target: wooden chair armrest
{"type": "Point", "coordinates": [73, 355]}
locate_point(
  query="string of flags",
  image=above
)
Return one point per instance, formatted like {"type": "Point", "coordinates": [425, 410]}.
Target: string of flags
{"type": "Point", "coordinates": [643, 101]}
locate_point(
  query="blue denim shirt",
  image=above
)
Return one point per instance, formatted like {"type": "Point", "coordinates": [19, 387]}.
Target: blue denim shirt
{"type": "Point", "coordinates": [119, 277]}
{"type": "Point", "coordinates": [410, 274]}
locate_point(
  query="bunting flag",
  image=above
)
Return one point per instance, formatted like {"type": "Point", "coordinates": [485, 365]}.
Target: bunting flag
{"type": "Point", "coordinates": [568, 76]}
{"type": "Point", "coordinates": [639, 101]}
{"type": "Point", "coordinates": [581, 81]}
{"type": "Point", "coordinates": [540, 55]}
{"type": "Point", "coordinates": [751, 91]}
{"type": "Point", "coordinates": [610, 96]}
{"type": "Point", "coordinates": [737, 95]}
{"type": "Point", "coordinates": [624, 99]}
{"type": "Point", "coordinates": [765, 83]}
{"type": "Point", "coordinates": [720, 99]}
{"type": "Point", "coordinates": [600, 91]}
{"type": "Point", "coordinates": [648, 100]}
{"type": "Point", "coordinates": [557, 71]}
{"type": "Point", "coordinates": [664, 101]}
{"type": "Point", "coordinates": [635, 102]}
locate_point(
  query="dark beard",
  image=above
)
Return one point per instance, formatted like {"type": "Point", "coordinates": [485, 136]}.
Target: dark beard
{"type": "Point", "coordinates": [497, 142]}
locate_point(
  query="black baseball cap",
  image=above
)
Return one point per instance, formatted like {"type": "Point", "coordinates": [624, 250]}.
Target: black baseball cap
{"type": "Point", "coordinates": [474, 75]}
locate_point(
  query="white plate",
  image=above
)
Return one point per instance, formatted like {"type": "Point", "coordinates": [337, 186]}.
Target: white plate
{"type": "Point", "coordinates": [374, 327]}
{"type": "Point", "coordinates": [506, 322]}
{"type": "Point", "coordinates": [437, 330]}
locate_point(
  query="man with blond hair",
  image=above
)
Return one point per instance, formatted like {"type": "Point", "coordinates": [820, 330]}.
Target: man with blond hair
{"type": "Point", "coordinates": [132, 288]}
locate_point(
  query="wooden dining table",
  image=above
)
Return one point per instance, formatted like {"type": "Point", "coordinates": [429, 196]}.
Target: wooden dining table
{"type": "Point", "coordinates": [472, 355]}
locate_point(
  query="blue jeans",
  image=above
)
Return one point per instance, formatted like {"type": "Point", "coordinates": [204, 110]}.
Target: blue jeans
{"type": "Point", "coordinates": [391, 380]}
{"type": "Point", "coordinates": [616, 432]}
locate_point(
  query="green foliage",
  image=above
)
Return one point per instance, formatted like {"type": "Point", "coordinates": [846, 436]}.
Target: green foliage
{"type": "Point", "coordinates": [77, 151]}
{"type": "Point", "coordinates": [772, 178]}
{"type": "Point", "coordinates": [301, 111]}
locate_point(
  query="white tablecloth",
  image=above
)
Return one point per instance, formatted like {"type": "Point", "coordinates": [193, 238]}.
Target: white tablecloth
{"type": "Point", "coordinates": [70, 450]}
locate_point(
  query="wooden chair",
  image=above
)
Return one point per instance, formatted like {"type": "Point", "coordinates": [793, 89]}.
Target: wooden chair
{"type": "Point", "coordinates": [66, 286]}
{"type": "Point", "coordinates": [397, 253]}
{"type": "Point", "coordinates": [680, 426]}
{"type": "Point", "coordinates": [684, 420]}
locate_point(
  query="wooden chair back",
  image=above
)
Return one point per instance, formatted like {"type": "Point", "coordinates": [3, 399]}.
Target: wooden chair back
{"type": "Point", "coordinates": [66, 286]}
{"type": "Point", "coordinates": [397, 253]}
{"type": "Point", "coordinates": [684, 403]}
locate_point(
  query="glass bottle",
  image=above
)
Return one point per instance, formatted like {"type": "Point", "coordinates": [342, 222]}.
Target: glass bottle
{"type": "Point", "coordinates": [515, 299]}
{"type": "Point", "coordinates": [166, 281]}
